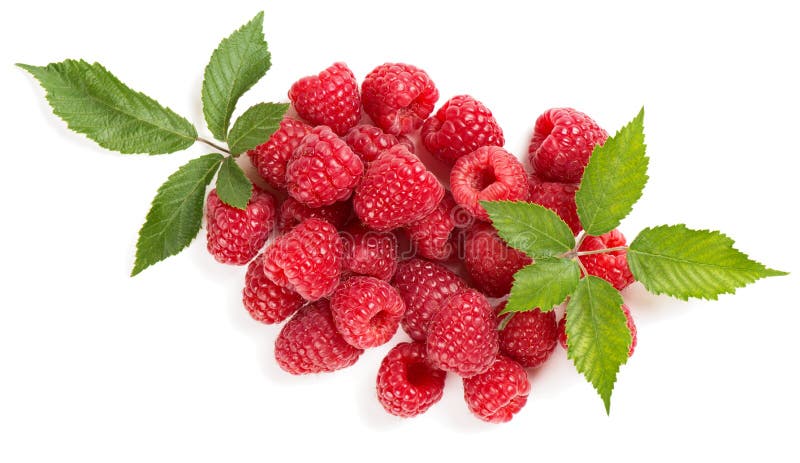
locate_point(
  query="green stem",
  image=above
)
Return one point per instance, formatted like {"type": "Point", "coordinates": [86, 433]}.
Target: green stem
{"type": "Point", "coordinates": [213, 145]}
{"type": "Point", "coordinates": [601, 251]}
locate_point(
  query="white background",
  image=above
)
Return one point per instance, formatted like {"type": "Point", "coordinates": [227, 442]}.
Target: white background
{"type": "Point", "coordinates": [167, 366]}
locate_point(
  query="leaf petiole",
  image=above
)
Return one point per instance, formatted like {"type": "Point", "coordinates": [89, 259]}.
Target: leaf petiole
{"type": "Point", "coordinates": [601, 251]}
{"type": "Point", "coordinates": [214, 145]}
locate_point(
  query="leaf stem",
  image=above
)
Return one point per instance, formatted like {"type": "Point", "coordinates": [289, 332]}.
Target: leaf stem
{"type": "Point", "coordinates": [579, 242]}
{"type": "Point", "coordinates": [213, 145]}
{"type": "Point", "coordinates": [602, 251]}
{"type": "Point", "coordinates": [583, 268]}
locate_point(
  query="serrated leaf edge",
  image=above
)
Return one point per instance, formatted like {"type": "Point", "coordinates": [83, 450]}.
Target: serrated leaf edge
{"type": "Point", "coordinates": [507, 240]}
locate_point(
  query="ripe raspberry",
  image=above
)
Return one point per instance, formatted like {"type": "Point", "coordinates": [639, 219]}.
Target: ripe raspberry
{"type": "Point", "coordinates": [487, 174]}
{"type": "Point", "coordinates": [293, 212]}
{"type": "Point", "coordinates": [563, 140]}
{"type": "Point", "coordinates": [558, 197]}
{"type": "Point", "coordinates": [369, 141]}
{"type": "Point", "coordinates": [366, 311]}
{"type": "Point", "coordinates": [460, 127]}
{"type": "Point", "coordinates": [431, 234]}
{"type": "Point", "coordinates": [307, 259]}
{"type": "Point", "coordinates": [330, 98]}
{"type": "Point", "coordinates": [396, 190]}
{"type": "Point", "coordinates": [369, 252]}
{"type": "Point", "coordinates": [529, 337]}
{"type": "Point", "coordinates": [499, 393]}
{"type": "Point", "coordinates": [263, 299]}
{"type": "Point", "coordinates": [323, 169]}
{"type": "Point", "coordinates": [407, 383]}
{"type": "Point", "coordinates": [462, 335]}
{"type": "Point", "coordinates": [235, 236]}
{"type": "Point", "coordinates": [424, 286]}
{"type": "Point", "coordinates": [309, 343]}
{"type": "Point", "coordinates": [610, 266]}
{"type": "Point", "coordinates": [271, 157]}
{"type": "Point", "coordinates": [562, 331]}
{"type": "Point", "coordinates": [490, 261]}
{"type": "Point", "coordinates": [398, 97]}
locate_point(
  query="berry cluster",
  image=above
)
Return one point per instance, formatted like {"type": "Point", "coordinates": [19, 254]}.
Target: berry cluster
{"type": "Point", "coordinates": [353, 192]}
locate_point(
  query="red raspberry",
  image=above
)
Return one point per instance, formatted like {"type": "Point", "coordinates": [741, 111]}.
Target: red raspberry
{"type": "Point", "coordinates": [323, 169]}
{"type": "Point", "coordinates": [293, 212]}
{"type": "Point", "coordinates": [270, 158]}
{"type": "Point", "coordinates": [610, 266]}
{"type": "Point", "coordinates": [462, 335]}
{"type": "Point", "coordinates": [263, 299]}
{"type": "Point", "coordinates": [558, 197]}
{"type": "Point", "coordinates": [424, 286]}
{"type": "Point", "coordinates": [563, 140]}
{"type": "Point", "coordinates": [309, 343]}
{"type": "Point", "coordinates": [369, 141]}
{"type": "Point", "coordinates": [398, 97]}
{"type": "Point", "coordinates": [330, 98]}
{"type": "Point", "coordinates": [490, 261]}
{"type": "Point", "coordinates": [366, 311]}
{"type": "Point", "coordinates": [407, 383]}
{"type": "Point", "coordinates": [369, 252]}
{"type": "Point", "coordinates": [460, 127]}
{"type": "Point", "coordinates": [396, 190]}
{"type": "Point", "coordinates": [529, 337]}
{"type": "Point", "coordinates": [431, 234]}
{"type": "Point", "coordinates": [499, 393]}
{"type": "Point", "coordinates": [307, 259]}
{"type": "Point", "coordinates": [234, 235]}
{"type": "Point", "coordinates": [487, 174]}
{"type": "Point", "coordinates": [562, 332]}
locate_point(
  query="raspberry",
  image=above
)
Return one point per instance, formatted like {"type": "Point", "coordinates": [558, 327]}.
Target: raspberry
{"type": "Point", "coordinates": [460, 127]}
{"type": "Point", "coordinates": [487, 174]}
{"type": "Point", "coordinates": [293, 212]}
{"type": "Point", "coordinates": [366, 311]}
{"type": "Point", "coordinates": [490, 261]}
{"type": "Point", "coordinates": [309, 343]}
{"type": "Point", "coordinates": [610, 266]}
{"type": "Point", "coordinates": [307, 259]}
{"type": "Point", "coordinates": [330, 98]}
{"type": "Point", "coordinates": [562, 331]}
{"type": "Point", "coordinates": [323, 169]}
{"type": "Point", "coordinates": [369, 141]}
{"type": "Point", "coordinates": [462, 335]}
{"type": "Point", "coordinates": [263, 299]}
{"type": "Point", "coordinates": [235, 236]}
{"type": "Point", "coordinates": [431, 234]}
{"type": "Point", "coordinates": [396, 190]}
{"type": "Point", "coordinates": [407, 384]}
{"type": "Point", "coordinates": [424, 286]}
{"type": "Point", "coordinates": [369, 252]}
{"type": "Point", "coordinates": [558, 197]}
{"type": "Point", "coordinates": [529, 337]}
{"type": "Point", "coordinates": [398, 97]}
{"type": "Point", "coordinates": [270, 158]}
{"type": "Point", "coordinates": [496, 395]}
{"type": "Point", "coordinates": [563, 140]}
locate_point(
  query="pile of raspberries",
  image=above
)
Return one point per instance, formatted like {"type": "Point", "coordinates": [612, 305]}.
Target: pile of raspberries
{"type": "Point", "coordinates": [369, 240]}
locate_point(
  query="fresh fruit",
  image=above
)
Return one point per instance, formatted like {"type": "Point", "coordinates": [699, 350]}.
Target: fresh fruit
{"type": "Point", "coordinates": [563, 140]}
{"type": "Point", "coordinates": [407, 384]}
{"type": "Point", "coordinates": [431, 234]}
{"type": "Point", "coordinates": [307, 259]}
{"type": "Point", "coordinates": [529, 337]}
{"type": "Point", "coordinates": [562, 332]}
{"type": "Point", "coordinates": [396, 190]}
{"type": "Point", "coordinates": [235, 236]}
{"type": "Point", "coordinates": [558, 197]}
{"type": "Point", "coordinates": [270, 158]}
{"type": "Point", "coordinates": [462, 125]}
{"type": "Point", "coordinates": [369, 141]}
{"type": "Point", "coordinates": [499, 393]}
{"type": "Point", "coordinates": [309, 343]}
{"type": "Point", "coordinates": [366, 311]}
{"type": "Point", "coordinates": [490, 262]}
{"type": "Point", "coordinates": [264, 300]}
{"type": "Point", "coordinates": [330, 98]}
{"type": "Point", "coordinates": [398, 97]}
{"type": "Point", "coordinates": [293, 212]}
{"type": "Point", "coordinates": [369, 252]}
{"type": "Point", "coordinates": [489, 173]}
{"type": "Point", "coordinates": [611, 266]}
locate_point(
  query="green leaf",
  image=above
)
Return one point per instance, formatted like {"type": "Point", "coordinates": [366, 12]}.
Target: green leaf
{"type": "Point", "coordinates": [598, 338]}
{"type": "Point", "coordinates": [233, 186]}
{"type": "Point", "coordinates": [177, 210]}
{"type": "Point", "coordinates": [237, 64]}
{"type": "Point", "coordinates": [543, 284]}
{"type": "Point", "coordinates": [92, 101]}
{"type": "Point", "coordinates": [684, 263]}
{"type": "Point", "coordinates": [255, 126]}
{"type": "Point", "coordinates": [531, 228]}
{"type": "Point", "coordinates": [614, 179]}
